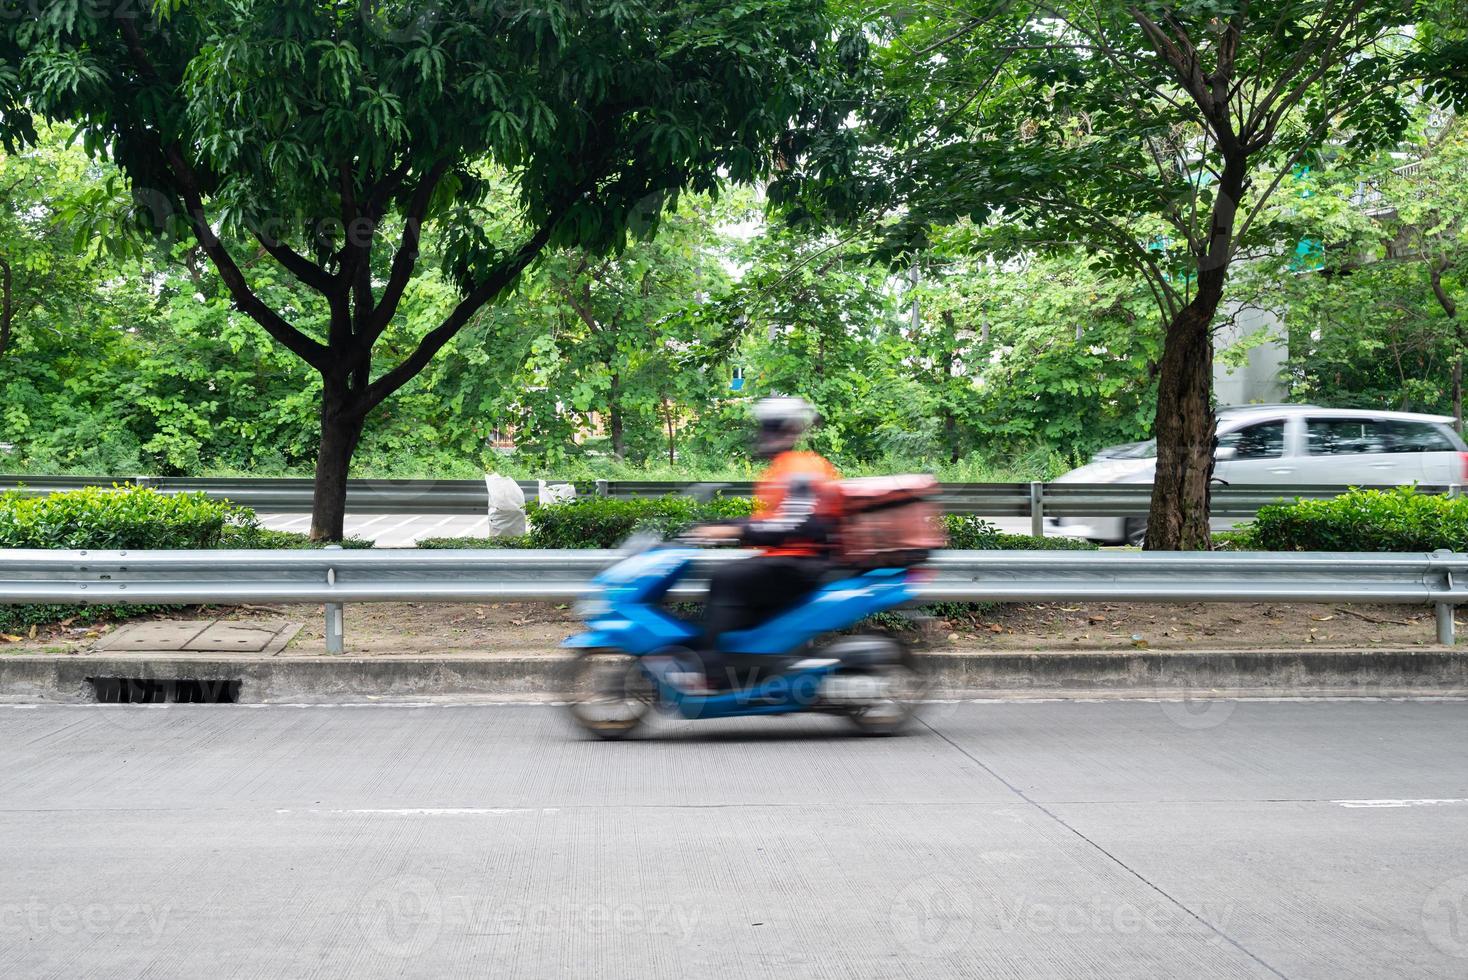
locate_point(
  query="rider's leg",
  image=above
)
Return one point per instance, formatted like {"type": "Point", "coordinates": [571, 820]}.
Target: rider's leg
{"type": "Point", "coordinates": [743, 594]}
{"type": "Point", "coordinates": [732, 587]}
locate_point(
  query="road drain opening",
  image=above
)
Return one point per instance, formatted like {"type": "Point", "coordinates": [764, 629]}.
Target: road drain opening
{"type": "Point", "coordinates": [139, 690]}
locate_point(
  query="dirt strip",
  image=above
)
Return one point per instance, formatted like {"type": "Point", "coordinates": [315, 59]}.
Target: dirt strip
{"type": "Point", "coordinates": [500, 629]}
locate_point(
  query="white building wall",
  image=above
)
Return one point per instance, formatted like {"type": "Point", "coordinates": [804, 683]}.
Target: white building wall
{"type": "Point", "coordinates": [1259, 380]}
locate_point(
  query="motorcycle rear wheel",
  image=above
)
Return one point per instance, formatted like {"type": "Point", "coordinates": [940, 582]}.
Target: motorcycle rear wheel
{"type": "Point", "coordinates": [610, 693]}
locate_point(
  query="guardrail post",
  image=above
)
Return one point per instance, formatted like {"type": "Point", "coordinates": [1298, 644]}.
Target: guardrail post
{"type": "Point", "coordinates": [603, 488]}
{"type": "Point", "coordinates": [1445, 633]}
{"type": "Point", "coordinates": [1037, 509]}
{"type": "Point", "coordinates": [335, 640]}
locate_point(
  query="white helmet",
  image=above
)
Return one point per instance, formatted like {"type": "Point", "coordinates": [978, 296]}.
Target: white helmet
{"type": "Point", "coordinates": [785, 413]}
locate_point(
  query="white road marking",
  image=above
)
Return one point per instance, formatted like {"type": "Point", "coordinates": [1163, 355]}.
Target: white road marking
{"type": "Point", "coordinates": [431, 811]}
{"type": "Point", "coordinates": [383, 535]}
{"type": "Point", "coordinates": [369, 522]}
{"type": "Point", "coordinates": [428, 532]}
{"type": "Point", "coordinates": [1393, 804]}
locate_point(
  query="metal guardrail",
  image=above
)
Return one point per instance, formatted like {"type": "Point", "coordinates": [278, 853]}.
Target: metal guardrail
{"type": "Point", "coordinates": [1034, 500]}
{"type": "Point", "coordinates": [336, 577]}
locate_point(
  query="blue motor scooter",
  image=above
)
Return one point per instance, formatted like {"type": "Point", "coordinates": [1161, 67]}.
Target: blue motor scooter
{"type": "Point", "coordinates": [635, 655]}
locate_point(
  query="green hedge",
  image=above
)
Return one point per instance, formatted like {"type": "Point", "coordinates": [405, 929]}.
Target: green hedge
{"type": "Point", "coordinates": [969, 533]}
{"type": "Point", "coordinates": [126, 518]}
{"type": "Point", "coordinates": [129, 517]}
{"type": "Point", "coordinates": [95, 517]}
{"type": "Point", "coordinates": [606, 522]}
{"type": "Point", "coordinates": [1363, 520]}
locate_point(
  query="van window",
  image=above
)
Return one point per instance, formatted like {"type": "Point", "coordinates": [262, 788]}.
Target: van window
{"type": "Point", "coordinates": [1263, 440]}
{"type": "Point", "coordinates": [1336, 437]}
{"type": "Point", "coordinates": [1418, 437]}
{"type": "Point", "coordinates": [1342, 437]}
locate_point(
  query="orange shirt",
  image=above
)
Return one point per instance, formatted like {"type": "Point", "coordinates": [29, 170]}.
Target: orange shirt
{"type": "Point", "coordinates": [815, 480]}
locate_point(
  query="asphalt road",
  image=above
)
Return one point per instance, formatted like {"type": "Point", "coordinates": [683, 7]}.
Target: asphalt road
{"type": "Point", "coordinates": [405, 530]}
{"type": "Point", "coordinates": [1017, 839]}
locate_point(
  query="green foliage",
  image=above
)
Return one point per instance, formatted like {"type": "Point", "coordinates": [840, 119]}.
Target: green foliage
{"type": "Point", "coordinates": [107, 519]}
{"type": "Point", "coordinates": [1363, 520]}
{"type": "Point", "coordinates": [605, 522]}
{"type": "Point", "coordinates": [520, 541]}
{"type": "Point", "coordinates": [127, 518]}
{"type": "Point", "coordinates": [335, 145]}
{"type": "Point", "coordinates": [250, 535]}
{"type": "Point", "coordinates": [131, 517]}
{"type": "Point", "coordinates": [969, 533]}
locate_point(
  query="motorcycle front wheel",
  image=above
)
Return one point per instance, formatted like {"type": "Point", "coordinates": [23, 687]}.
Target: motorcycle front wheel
{"type": "Point", "coordinates": [611, 695]}
{"type": "Point", "coordinates": [903, 686]}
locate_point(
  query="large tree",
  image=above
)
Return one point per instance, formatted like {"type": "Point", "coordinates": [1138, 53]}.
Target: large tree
{"type": "Point", "coordinates": [333, 136]}
{"type": "Point", "coordinates": [1144, 135]}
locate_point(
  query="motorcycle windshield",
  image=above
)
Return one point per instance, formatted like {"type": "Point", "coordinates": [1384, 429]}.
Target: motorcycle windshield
{"type": "Point", "coordinates": [646, 574]}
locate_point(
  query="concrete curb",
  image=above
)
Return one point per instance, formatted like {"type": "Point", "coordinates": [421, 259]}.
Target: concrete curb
{"type": "Point", "coordinates": [1065, 673]}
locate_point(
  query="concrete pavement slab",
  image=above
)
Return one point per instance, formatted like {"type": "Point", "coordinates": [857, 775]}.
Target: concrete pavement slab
{"type": "Point", "coordinates": [493, 840]}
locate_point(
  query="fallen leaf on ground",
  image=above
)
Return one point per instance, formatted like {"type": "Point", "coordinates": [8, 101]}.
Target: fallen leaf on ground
{"type": "Point", "coordinates": [1322, 619]}
{"type": "Point", "coordinates": [9, 637]}
{"type": "Point", "coordinates": [996, 628]}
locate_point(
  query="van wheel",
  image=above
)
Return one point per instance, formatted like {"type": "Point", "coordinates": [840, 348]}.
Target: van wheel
{"type": "Point", "coordinates": [1135, 531]}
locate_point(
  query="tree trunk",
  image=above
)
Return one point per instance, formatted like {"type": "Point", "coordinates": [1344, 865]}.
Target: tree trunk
{"type": "Point", "coordinates": [7, 305]}
{"type": "Point", "coordinates": [614, 418]}
{"type": "Point", "coordinates": [1458, 391]}
{"type": "Point", "coordinates": [668, 415]}
{"type": "Point", "coordinates": [1450, 307]}
{"type": "Point", "coordinates": [1178, 520]}
{"type": "Point", "coordinates": [340, 431]}
{"type": "Point", "coordinates": [950, 419]}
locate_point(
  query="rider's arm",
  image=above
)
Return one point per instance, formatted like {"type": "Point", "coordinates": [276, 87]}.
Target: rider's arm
{"type": "Point", "coordinates": [797, 517]}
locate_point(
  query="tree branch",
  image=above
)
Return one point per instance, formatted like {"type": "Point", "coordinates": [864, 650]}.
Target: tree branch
{"type": "Point", "coordinates": [433, 342]}
{"type": "Point", "coordinates": [7, 305]}
{"type": "Point", "coordinates": [308, 350]}
{"type": "Point", "coordinates": [405, 259]}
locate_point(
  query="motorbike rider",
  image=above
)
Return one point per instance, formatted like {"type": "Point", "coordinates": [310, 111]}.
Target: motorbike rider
{"type": "Point", "coordinates": [796, 513]}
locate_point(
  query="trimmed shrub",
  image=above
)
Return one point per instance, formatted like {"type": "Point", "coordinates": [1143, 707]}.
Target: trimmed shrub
{"type": "Point", "coordinates": [1399, 519]}
{"type": "Point", "coordinates": [520, 541]}
{"type": "Point", "coordinates": [120, 518]}
{"type": "Point", "coordinates": [127, 518]}
{"type": "Point", "coordinates": [124, 517]}
{"type": "Point", "coordinates": [969, 533]}
{"type": "Point", "coordinates": [252, 535]}
{"type": "Point", "coordinates": [605, 522]}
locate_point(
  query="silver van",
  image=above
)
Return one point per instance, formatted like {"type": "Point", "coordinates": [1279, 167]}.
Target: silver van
{"type": "Point", "coordinates": [1290, 445]}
